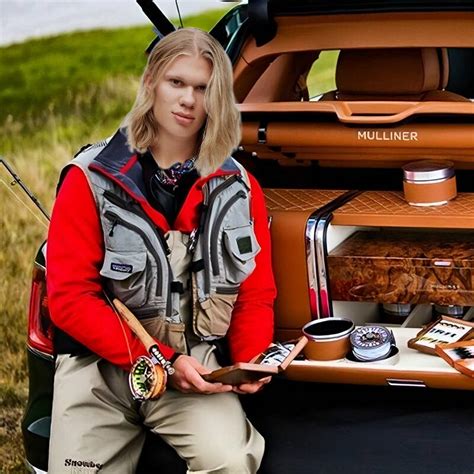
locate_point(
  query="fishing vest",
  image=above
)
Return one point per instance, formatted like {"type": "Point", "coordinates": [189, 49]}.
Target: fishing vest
{"type": "Point", "coordinates": [136, 267]}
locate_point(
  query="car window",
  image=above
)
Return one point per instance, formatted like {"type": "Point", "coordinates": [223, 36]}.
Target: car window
{"type": "Point", "coordinates": [322, 75]}
{"type": "Point", "coordinates": [461, 71]}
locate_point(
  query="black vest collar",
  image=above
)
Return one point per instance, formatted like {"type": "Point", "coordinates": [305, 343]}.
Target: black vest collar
{"type": "Point", "coordinates": [114, 161]}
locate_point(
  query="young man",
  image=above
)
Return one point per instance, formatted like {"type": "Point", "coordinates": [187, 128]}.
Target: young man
{"type": "Point", "coordinates": [160, 217]}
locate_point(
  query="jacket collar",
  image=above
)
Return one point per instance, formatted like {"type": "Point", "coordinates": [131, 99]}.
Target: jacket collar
{"type": "Point", "coordinates": [120, 164]}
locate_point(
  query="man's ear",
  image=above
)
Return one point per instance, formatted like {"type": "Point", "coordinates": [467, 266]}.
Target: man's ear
{"type": "Point", "coordinates": [147, 80]}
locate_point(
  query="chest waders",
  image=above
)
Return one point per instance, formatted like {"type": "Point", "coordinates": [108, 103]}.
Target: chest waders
{"type": "Point", "coordinates": [143, 271]}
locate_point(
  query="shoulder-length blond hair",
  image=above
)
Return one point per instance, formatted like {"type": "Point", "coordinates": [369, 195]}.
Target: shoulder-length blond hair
{"type": "Point", "coordinates": [221, 131]}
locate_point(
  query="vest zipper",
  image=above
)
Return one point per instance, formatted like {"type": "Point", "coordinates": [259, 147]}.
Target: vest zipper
{"type": "Point", "coordinates": [217, 224]}
{"type": "Point", "coordinates": [134, 208]}
{"type": "Point", "coordinates": [111, 232]}
{"type": "Point", "coordinates": [210, 201]}
{"type": "Point", "coordinates": [115, 219]}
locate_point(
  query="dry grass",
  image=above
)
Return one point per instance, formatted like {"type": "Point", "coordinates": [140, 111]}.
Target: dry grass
{"type": "Point", "coordinates": [37, 158]}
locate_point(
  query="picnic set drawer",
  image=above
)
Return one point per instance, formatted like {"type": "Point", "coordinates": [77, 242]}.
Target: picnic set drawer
{"type": "Point", "coordinates": [346, 253]}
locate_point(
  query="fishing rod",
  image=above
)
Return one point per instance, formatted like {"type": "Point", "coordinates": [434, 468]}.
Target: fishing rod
{"type": "Point", "coordinates": [179, 14]}
{"type": "Point", "coordinates": [156, 16]}
{"type": "Point", "coordinates": [149, 374]}
{"type": "Point", "coordinates": [17, 180]}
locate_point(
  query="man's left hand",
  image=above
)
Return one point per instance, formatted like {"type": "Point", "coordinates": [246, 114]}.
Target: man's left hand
{"type": "Point", "coordinates": [251, 387]}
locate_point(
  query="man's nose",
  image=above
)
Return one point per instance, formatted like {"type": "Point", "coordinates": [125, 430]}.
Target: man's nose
{"type": "Point", "coordinates": [188, 99]}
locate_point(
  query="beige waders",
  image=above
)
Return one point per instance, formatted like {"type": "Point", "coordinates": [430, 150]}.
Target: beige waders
{"type": "Point", "coordinates": [98, 427]}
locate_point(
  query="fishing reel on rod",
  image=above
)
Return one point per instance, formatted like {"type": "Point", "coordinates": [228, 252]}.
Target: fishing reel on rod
{"type": "Point", "coordinates": [148, 377]}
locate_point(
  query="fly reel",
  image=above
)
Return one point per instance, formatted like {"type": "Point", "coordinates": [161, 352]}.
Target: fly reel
{"type": "Point", "coordinates": [148, 377]}
{"type": "Point", "coordinates": [147, 380]}
{"type": "Point", "coordinates": [371, 343]}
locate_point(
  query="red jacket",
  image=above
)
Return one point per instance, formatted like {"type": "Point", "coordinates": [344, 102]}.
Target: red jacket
{"type": "Point", "coordinates": [75, 253]}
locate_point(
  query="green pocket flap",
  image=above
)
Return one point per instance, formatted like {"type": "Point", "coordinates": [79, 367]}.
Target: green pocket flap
{"type": "Point", "coordinates": [241, 243]}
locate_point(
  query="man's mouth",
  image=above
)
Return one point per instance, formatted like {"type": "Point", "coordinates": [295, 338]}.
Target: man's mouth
{"type": "Point", "coordinates": [183, 118]}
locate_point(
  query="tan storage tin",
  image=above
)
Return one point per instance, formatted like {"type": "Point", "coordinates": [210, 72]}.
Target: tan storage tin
{"type": "Point", "coordinates": [429, 183]}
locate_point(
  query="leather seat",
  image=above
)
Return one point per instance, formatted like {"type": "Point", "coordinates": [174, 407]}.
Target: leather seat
{"type": "Point", "coordinates": [399, 74]}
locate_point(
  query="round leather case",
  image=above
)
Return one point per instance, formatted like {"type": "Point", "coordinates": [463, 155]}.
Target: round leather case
{"type": "Point", "coordinates": [328, 338]}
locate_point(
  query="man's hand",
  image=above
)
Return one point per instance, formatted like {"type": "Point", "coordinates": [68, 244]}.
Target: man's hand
{"type": "Point", "coordinates": [251, 387]}
{"type": "Point", "coordinates": [187, 377]}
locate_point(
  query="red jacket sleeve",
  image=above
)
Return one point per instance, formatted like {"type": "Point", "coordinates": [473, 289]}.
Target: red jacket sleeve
{"type": "Point", "coordinates": [75, 253]}
{"type": "Point", "coordinates": [251, 329]}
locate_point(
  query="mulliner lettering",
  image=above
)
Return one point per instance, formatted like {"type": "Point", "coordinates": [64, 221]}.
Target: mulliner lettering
{"type": "Point", "coordinates": [387, 135]}
{"type": "Point", "coordinates": [89, 464]}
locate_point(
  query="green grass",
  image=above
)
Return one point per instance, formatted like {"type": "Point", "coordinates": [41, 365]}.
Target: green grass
{"type": "Point", "coordinates": [321, 77]}
{"type": "Point", "coordinates": [71, 75]}
{"type": "Point", "coordinates": [45, 74]}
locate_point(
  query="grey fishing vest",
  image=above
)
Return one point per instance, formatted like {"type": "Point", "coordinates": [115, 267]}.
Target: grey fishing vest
{"type": "Point", "coordinates": [136, 267]}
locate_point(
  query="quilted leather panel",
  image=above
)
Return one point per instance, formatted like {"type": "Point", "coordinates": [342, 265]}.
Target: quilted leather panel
{"type": "Point", "coordinates": [298, 199]}
{"type": "Point", "coordinates": [389, 209]}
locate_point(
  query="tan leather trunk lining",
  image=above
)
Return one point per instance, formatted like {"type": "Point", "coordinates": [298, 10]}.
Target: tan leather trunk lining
{"type": "Point", "coordinates": [389, 209]}
{"type": "Point", "coordinates": [289, 210]}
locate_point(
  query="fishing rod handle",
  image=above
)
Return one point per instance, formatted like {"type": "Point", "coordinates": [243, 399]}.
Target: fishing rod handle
{"type": "Point", "coordinates": [134, 324]}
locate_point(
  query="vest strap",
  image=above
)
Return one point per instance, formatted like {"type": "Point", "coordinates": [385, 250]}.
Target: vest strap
{"type": "Point", "coordinates": [177, 287]}
{"type": "Point", "coordinates": [197, 266]}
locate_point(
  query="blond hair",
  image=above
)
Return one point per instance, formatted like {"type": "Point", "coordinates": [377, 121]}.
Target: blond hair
{"type": "Point", "coordinates": [221, 131]}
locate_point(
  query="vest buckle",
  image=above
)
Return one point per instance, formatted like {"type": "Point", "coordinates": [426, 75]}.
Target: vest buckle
{"type": "Point", "coordinates": [192, 240]}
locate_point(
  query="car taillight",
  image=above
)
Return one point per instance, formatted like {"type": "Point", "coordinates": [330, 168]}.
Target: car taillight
{"type": "Point", "coordinates": [40, 329]}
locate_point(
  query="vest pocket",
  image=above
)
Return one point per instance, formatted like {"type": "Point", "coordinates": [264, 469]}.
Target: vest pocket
{"type": "Point", "coordinates": [126, 276]}
{"type": "Point", "coordinates": [128, 236]}
{"type": "Point", "coordinates": [211, 317]}
{"type": "Point", "coordinates": [167, 332]}
{"type": "Point", "coordinates": [241, 247]}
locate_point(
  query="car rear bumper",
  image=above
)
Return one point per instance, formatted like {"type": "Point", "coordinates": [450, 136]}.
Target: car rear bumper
{"type": "Point", "coordinates": [37, 418]}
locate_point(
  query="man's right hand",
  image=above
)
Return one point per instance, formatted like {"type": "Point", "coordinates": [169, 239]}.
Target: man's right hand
{"type": "Point", "coordinates": [187, 377]}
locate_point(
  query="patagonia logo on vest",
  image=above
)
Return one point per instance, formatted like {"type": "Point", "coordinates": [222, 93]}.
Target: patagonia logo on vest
{"type": "Point", "coordinates": [121, 267]}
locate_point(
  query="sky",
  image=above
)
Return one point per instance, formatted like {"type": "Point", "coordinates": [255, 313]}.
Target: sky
{"type": "Point", "coordinates": [23, 19]}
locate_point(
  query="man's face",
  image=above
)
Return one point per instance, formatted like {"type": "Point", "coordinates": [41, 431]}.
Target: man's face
{"type": "Point", "coordinates": [179, 98]}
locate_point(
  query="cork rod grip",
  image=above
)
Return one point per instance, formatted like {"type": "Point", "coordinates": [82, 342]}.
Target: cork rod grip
{"type": "Point", "coordinates": [134, 324]}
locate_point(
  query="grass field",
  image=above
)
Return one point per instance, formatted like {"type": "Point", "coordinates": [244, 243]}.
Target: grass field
{"type": "Point", "coordinates": [56, 94]}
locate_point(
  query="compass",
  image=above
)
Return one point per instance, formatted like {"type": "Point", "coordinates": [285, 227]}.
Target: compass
{"type": "Point", "coordinates": [371, 342]}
